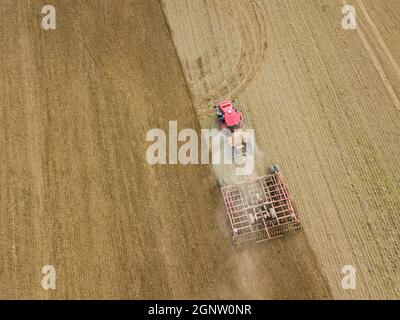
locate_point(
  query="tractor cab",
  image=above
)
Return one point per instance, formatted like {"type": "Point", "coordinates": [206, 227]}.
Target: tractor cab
{"type": "Point", "coordinates": [228, 116]}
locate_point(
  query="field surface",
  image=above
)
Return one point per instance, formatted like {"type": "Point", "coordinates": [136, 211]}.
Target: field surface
{"type": "Point", "coordinates": [76, 191]}
{"type": "Point", "coordinates": [324, 104]}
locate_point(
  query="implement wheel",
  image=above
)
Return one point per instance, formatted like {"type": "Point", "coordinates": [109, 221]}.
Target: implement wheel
{"type": "Point", "coordinates": [274, 169]}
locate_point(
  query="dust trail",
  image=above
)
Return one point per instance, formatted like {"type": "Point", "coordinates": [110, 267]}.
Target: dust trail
{"type": "Point", "coordinates": [246, 266]}
{"type": "Point", "coordinates": [226, 172]}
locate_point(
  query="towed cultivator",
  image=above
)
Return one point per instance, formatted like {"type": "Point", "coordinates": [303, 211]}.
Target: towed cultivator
{"type": "Point", "coordinates": [259, 209]}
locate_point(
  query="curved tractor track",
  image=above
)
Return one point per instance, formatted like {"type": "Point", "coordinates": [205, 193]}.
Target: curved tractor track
{"type": "Point", "coordinates": [218, 73]}
{"type": "Point", "coordinates": [323, 102]}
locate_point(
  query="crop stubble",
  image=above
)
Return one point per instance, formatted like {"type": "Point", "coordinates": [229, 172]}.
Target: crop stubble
{"type": "Point", "coordinates": [324, 105]}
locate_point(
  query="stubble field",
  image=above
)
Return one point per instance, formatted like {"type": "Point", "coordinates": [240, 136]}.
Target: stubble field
{"type": "Point", "coordinates": [76, 191]}
{"type": "Point", "coordinates": [324, 104]}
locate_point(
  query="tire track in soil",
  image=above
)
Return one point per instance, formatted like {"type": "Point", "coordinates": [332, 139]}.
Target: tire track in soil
{"type": "Point", "coordinates": [385, 245]}
{"type": "Point", "coordinates": [378, 66]}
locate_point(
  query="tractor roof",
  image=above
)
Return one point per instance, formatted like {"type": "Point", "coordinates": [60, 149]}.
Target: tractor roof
{"type": "Point", "coordinates": [232, 118]}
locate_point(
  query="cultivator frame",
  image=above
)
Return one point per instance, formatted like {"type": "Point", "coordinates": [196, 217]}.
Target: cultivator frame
{"type": "Point", "coordinates": [259, 209]}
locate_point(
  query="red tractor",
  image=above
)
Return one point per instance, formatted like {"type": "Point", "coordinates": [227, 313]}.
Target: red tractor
{"type": "Point", "coordinates": [228, 116]}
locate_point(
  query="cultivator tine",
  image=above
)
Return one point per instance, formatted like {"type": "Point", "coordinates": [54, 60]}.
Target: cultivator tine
{"type": "Point", "coordinates": [259, 209]}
